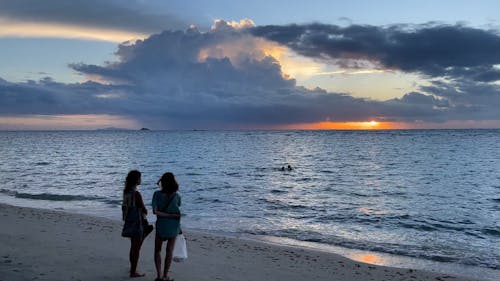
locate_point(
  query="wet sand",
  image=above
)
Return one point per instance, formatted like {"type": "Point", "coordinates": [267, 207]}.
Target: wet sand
{"type": "Point", "coordinates": [38, 244]}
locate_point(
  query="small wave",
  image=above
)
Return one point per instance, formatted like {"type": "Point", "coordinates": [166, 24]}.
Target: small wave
{"type": "Point", "coordinates": [209, 188]}
{"type": "Point", "coordinates": [473, 233]}
{"type": "Point", "coordinates": [89, 184]}
{"type": "Point", "coordinates": [199, 199]}
{"type": "Point", "coordinates": [416, 226]}
{"type": "Point", "coordinates": [278, 205]}
{"type": "Point", "coordinates": [395, 193]}
{"type": "Point", "coordinates": [327, 172]}
{"type": "Point", "coordinates": [442, 258]}
{"type": "Point", "coordinates": [8, 192]}
{"type": "Point", "coordinates": [49, 196]}
{"type": "Point", "coordinates": [447, 226]}
{"type": "Point", "coordinates": [113, 202]}
{"type": "Point", "coordinates": [297, 206]}
{"type": "Point", "coordinates": [357, 194]}
{"type": "Point", "coordinates": [352, 218]}
{"type": "Point", "coordinates": [306, 179]}
{"type": "Point", "coordinates": [492, 232]}
{"type": "Point", "coordinates": [54, 197]}
{"type": "Point", "coordinates": [277, 191]}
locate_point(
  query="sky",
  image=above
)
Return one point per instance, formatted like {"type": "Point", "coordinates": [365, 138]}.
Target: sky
{"type": "Point", "coordinates": [249, 64]}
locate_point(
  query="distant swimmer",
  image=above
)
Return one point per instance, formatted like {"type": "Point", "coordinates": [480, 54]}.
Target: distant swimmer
{"type": "Point", "coordinates": [282, 168]}
{"type": "Point", "coordinates": [289, 168]}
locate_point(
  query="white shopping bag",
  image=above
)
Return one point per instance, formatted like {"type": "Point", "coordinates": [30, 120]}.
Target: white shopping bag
{"type": "Point", "coordinates": [180, 249]}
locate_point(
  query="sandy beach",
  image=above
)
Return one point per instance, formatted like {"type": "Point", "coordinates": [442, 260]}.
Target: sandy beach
{"type": "Point", "coordinates": [38, 244]}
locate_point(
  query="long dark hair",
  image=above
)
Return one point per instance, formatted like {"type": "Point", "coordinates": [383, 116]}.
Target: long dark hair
{"type": "Point", "coordinates": [168, 183]}
{"type": "Point", "coordinates": [132, 180]}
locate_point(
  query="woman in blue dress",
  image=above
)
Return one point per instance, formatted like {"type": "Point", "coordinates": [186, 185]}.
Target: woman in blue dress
{"type": "Point", "coordinates": [166, 206]}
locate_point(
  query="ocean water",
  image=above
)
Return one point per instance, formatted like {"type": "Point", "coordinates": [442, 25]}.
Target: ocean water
{"type": "Point", "coordinates": [433, 195]}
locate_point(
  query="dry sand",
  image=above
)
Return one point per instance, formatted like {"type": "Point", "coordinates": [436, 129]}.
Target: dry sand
{"type": "Point", "coordinates": [40, 244]}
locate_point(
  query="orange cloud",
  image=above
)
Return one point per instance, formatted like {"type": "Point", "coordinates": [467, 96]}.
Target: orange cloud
{"type": "Point", "coordinates": [237, 51]}
{"type": "Point", "coordinates": [350, 72]}
{"type": "Point", "coordinates": [37, 29]}
{"type": "Point", "coordinates": [244, 47]}
{"type": "Point", "coordinates": [292, 64]}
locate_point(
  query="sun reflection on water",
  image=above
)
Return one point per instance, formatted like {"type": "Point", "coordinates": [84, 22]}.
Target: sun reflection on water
{"type": "Point", "coordinates": [368, 258]}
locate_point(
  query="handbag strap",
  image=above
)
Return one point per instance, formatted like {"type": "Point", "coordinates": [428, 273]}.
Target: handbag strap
{"type": "Point", "coordinates": [133, 199]}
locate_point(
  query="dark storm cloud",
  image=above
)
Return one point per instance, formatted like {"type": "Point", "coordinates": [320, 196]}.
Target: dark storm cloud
{"type": "Point", "coordinates": [452, 51]}
{"type": "Point", "coordinates": [113, 14]}
{"type": "Point", "coordinates": [49, 97]}
{"type": "Point", "coordinates": [443, 101]}
{"type": "Point", "coordinates": [479, 101]}
{"type": "Point", "coordinates": [163, 83]}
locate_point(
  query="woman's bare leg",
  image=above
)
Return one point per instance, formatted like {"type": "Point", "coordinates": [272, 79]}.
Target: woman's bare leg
{"type": "Point", "coordinates": [168, 256]}
{"type": "Point", "coordinates": [135, 249]}
{"type": "Point", "coordinates": [158, 244]}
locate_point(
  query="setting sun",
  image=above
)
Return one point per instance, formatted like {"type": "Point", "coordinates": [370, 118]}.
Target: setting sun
{"type": "Point", "coordinates": [329, 125]}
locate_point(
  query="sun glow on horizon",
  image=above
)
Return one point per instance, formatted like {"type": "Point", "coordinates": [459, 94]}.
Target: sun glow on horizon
{"type": "Point", "coordinates": [329, 125]}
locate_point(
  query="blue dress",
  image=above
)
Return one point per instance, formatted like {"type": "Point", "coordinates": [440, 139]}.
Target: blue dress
{"type": "Point", "coordinates": [167, 227]}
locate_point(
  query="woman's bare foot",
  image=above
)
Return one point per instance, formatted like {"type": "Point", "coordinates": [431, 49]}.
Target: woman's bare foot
{"type": "Point", "coordinates": [137, 274]}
